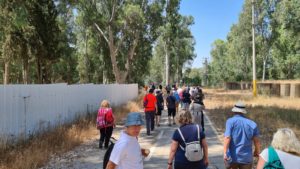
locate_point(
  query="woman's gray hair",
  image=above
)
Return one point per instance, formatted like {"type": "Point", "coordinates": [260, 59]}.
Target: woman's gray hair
{"type": "Point", "coordinates": [184, 117]}
{"type": "Point", "coordinates": [285, 140]}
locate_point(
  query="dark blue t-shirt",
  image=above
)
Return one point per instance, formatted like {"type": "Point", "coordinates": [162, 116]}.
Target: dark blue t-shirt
{"type": "Point", "coordinates": [189, 133]}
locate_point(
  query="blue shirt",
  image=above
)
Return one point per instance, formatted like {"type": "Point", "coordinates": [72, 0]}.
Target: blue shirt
{"type": "Point", "coordinates": [189, 133]}
{"type": "Point", "coordinates": [241, 131]}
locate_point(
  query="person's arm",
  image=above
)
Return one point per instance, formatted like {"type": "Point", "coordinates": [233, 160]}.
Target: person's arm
{"type": "Point", "coordinates": [174, 146]}
{"type": "Point", "coordinates": [257, 146]}
{"type": "Point", "coordinates": [205, 151]}
{"type": "Point", "coordinates": [110, 165]}
{"type": "Point", "coordinates": [202, 120]}
{"type": "Point", "coordinates": [260, 163]}
{"type": "Point", "coordinates": [226, 146]}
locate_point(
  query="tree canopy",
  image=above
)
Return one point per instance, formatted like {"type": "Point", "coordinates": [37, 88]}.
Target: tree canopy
{"type": "Point", "coordinates": [139, 41]}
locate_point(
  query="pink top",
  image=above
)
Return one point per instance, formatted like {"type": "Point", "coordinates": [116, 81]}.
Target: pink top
{"type": "Point", "coordinates": [103, 111]}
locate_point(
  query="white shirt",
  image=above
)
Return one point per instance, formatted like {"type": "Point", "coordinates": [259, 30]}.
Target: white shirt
{"type": "Point", "coordinates": [288, 161]}
{"type": "Point", "coordinates": [126, 153]}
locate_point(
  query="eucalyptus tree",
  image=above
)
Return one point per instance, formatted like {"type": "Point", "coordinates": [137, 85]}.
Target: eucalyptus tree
{"type": "Point", "coordinates": [219, 69]}
{"type": "Point", "coordinates": [14, 36]}
{"type": "Point", "coordinates": [286, 46]}
{"type": "Point", "coordinates": [123, 26]}
{"type": "Point", "coordinates": [46, 41]}
{"type": "Point", "coordinates": [64, 68]}
{"type": "Point", "coordinates": [175, 47]}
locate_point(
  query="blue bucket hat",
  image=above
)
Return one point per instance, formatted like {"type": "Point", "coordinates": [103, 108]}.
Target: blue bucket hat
{"type": "Point", "coordinates": [134, 118]}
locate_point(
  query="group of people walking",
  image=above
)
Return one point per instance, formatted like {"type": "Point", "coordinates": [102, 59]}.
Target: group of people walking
{"type": "Point", "coordinates": [189, 148]}
{"type": "Point", "coordinates": [156, 98]}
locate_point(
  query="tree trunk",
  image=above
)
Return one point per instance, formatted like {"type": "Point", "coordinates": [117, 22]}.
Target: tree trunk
{"type": "Point", "coordinates": [113, 57]}
{"type": "Point", "coordinates": [167, 65]}
{"type": "Point", "coordinates": [6, 72]}
{"type": "Point", "coordinates": [39, 71]}
{"type": "Point", "coordinates": [264, 70]}
{"type": "Point", "coordinates": [25, 70]}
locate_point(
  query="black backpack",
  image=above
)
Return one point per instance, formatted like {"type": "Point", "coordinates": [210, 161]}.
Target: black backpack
{"type": "Point", "coordinates": [108, 152]}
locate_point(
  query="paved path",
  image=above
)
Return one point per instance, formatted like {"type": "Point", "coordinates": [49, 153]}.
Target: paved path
{"type": "Point", "coordinates": [88, 155]}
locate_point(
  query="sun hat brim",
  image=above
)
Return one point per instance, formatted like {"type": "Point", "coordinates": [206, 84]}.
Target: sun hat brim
{"type": "Point", "coordinates": [134, 119]}
{"type": "Point", "coordinates": [239, 110]}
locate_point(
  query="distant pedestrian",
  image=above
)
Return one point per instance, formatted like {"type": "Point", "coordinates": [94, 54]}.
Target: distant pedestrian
{"type": "Point", "coordinates": [200, 95]}
{"type": "Point", "coordinates": [176, 95]}
{"type": "Point", "coordinates": [150, 106]}
{"type": "Point", "coordinates": [105, 123]}
{"type": "Point", "coordinates": [160, 106]}
{"type": "Point", "coordinates": [186, 99]}
{"type": "Point", "coordinates": [171, 105]}
{"type": "Point", "coordinates": [239, 134]}
{"type": "Point", "coordinates": [196, 109]}
{"type": "Point", "coordinates": [284, 151]}
{"type": "Point", "coordinates": [188, 134]}
{"type": "Point", "coordinates": [127, 153]}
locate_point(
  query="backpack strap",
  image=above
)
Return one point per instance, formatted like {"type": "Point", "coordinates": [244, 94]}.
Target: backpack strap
{"type": "Point", "coordinates": [181, 135]}
{"type": "Point", "coordinates": [273, 160]}
{"type": "Point", "coordinates": [272, 154]}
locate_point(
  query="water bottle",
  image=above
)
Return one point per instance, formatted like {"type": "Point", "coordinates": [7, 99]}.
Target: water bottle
{"type": "Point", "coordinates": [228, 161]}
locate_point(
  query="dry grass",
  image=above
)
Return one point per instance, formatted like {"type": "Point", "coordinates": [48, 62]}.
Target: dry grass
{"type": "Point", "coordinates": [35, 152]}
{"type": "Point", "coordinates": [269, 113]}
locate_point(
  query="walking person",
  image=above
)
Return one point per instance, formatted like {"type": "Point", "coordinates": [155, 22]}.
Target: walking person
{"type": "Point", "coordinates": [150, 110]}
{"type": "Point", "coordinates": [171, 105]}
{"type": "Point", "coordinates": [189, 133]}
{"type": "Point", "coordinates": [239, 136]}
{"type": "Point", "coordinates": [105, 123]}
{"type": "Point", "coordinates": [127, 153]}
{"type": "Point", "coordinates": [196, 109]}
{"type": "Point", "coordinates": [176, 95]}
{"type": "Point", "coordinates": [160, 106]}
{"type": "Point", "coordinates": [284, 151]}
{"type": "Point", "coordinates": [186, 99]}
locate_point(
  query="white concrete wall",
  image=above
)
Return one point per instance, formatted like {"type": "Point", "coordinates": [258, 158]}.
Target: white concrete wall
{"type": "Point", "coordinates": [27, 109]}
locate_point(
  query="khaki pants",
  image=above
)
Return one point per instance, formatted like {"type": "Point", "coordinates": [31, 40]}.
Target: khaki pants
{"type": "Point", "coordinates": [240, 166]}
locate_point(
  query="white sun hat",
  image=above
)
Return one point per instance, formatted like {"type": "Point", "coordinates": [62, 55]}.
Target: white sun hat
{"type": "Point", "coordinates": [239, 107]}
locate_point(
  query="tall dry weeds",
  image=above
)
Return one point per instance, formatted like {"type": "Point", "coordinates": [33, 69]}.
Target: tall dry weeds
{"type": "Point", "coordinates": [34, 153]}
{"type": "Point", "coordinates": [269, 113]}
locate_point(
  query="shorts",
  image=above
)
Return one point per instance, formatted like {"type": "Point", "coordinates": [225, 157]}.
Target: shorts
{"type": "Point", "coordinates": [158, 113]}
{"type": "Point", "coordinates": [172, 112]}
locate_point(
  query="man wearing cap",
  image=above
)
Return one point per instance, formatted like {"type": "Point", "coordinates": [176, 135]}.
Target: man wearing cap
{"type": "Point", "coordinates": [239, 135]}
{"type": "Point", "coordinates": [127, 153]}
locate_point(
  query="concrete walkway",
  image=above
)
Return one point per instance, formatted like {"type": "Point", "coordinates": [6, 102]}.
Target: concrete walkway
{"type": "Point", "coordinates": [89, 156]}
{"type": "Point", "coordinates": [215, 147]}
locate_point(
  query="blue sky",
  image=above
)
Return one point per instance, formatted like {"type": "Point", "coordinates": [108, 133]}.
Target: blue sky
{"type": "Point", "coordinates": [213, 19]}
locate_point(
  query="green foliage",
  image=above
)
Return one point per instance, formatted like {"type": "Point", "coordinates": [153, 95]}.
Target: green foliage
{"type": "Point", "coordinates": [277, 42]}
{"type": "Point", "coordinates": [177, 42]}
{"type": "Point", "coordinates": [192, 77]}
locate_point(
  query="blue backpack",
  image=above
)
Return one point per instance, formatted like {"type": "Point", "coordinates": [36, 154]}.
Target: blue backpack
{"type": "Point", "coordinates": [175, 93]}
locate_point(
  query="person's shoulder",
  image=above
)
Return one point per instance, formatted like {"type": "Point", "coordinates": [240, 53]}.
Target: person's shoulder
{"type": "Point", "coordinates": [122, 143]}
{"type": "Point", "coordinates": [230, 119]}
{"type": "Point", "coordinates": [264, 154]}
{"type": "Point", "coordinates": [250, 122]}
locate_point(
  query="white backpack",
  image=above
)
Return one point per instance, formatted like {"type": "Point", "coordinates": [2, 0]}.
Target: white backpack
{"type": "Point", "coordinates": [193, 150]}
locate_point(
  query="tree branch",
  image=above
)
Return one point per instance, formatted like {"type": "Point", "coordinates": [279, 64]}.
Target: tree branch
{"type": "Point", "coordinates": [102, 33]}
{"type": "Point", "coordinates": [122, 38]}
{"type": "Point", "coordinates": [112, 12]}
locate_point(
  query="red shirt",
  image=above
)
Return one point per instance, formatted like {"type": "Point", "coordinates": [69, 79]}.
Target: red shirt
{"type": "Point", "coordinates": [151, 102]}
